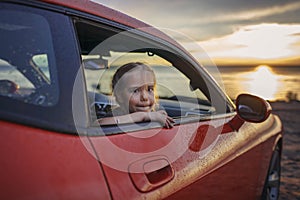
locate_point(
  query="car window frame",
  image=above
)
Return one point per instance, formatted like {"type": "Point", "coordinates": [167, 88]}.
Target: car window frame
{"type": "Point", "coordinates": [187, 59]}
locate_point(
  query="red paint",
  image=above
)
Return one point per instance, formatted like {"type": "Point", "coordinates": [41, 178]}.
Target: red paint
{"type": "Point", "coordinates": [235, 123]}
{"type": "Point", "coordinates": [241, 178]}
{"type": "Point", "coordinates": [39, 164]}
{"type": "Point", "coordinates": [207, 134]}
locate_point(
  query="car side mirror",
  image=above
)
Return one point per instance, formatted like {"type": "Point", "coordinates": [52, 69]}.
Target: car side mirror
{"type": "Point", "coordinates": [252, 108]}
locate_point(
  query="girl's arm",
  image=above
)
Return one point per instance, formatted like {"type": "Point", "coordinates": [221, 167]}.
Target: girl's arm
{"type": "Point", "coordinates": [159, 116]}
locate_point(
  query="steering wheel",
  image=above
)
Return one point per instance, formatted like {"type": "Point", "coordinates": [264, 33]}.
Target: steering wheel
{"type": "Point", "coordinates": [8, 87]}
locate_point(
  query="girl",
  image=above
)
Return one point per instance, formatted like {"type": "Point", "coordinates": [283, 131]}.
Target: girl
{"type": "Point", "coordinates": [133, 85]}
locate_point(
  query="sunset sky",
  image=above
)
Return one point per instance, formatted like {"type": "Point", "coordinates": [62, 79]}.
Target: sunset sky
{"type": "Point", "coordinates": [230, 31]}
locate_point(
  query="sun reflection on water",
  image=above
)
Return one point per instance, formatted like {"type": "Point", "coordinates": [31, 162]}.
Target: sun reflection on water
{"type": "Point", "coordinates": [263, 82]}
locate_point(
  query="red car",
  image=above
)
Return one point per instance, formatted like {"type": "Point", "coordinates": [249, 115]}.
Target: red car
{"type": "Point", "coordinates": [57, 59]}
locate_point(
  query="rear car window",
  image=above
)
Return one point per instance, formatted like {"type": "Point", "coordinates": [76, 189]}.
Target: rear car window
{"type": "Point", "coordinates": [27, 63]}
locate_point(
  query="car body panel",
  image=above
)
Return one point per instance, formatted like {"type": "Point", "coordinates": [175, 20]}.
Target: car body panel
{"type": "Point", "coordinates": [234, 180]}
{"type": "Point", "coordinates": [39, 164]}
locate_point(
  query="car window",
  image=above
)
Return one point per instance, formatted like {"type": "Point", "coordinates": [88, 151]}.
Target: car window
{"type": "Point", "coordinates": [27, 65]}
{"type": "Point", "coordinates": [104, 51]}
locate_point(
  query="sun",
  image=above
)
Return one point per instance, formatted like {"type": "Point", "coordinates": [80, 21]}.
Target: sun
{"type": "Point", "coordinates": [263, 82]}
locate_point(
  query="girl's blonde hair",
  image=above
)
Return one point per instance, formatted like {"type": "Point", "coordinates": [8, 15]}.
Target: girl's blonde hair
{"type": "Point", "coordinates": [128, 67]}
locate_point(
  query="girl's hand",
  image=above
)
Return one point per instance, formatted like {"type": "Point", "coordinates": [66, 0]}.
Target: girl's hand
{"type": "Point", "coordinates": [162, 117]}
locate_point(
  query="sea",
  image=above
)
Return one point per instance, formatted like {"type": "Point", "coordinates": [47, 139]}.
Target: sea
{"type": "Point", "coordinates": [271, 83]}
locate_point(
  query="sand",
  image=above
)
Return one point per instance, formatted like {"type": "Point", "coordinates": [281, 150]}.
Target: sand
{"type": "Point", "coordinates": [290, 163]}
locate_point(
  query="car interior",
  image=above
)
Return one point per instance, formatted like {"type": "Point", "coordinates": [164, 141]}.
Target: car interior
{"type": "Point", "coordinates": [27, 59]}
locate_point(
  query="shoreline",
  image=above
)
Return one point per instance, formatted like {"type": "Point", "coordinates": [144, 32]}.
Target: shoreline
{"type": "Point", "coordinates": [285, 106]}
{"type": "Point", "coordinates": [289, 113]}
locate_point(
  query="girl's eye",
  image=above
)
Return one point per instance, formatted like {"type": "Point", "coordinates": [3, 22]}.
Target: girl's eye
{"type": "Point", "coordinates": [133, 90]}
{"type": "Point", "coordinates": [136, 91]}
{"type": "Point", "coordinates": [150, 89]}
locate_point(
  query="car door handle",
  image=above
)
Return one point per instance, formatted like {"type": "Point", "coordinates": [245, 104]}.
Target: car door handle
{"type": "Point", "coordinates": [150, 173]}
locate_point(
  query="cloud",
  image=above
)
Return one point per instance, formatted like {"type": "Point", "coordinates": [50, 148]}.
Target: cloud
{"type": "Point", "coordinates": [262, 41]}
{"type": "Point", "coordinates": [160, 13]}
{"type": "Point", "coordinates": [257, 29]}
{"type": "Point", "coordinates": [251, 14]}
{"type": "Point", "coordinates": [203, 19]}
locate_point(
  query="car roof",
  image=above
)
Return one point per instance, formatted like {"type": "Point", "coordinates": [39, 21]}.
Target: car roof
{"type": "Point", "coordinates": [94, 8]}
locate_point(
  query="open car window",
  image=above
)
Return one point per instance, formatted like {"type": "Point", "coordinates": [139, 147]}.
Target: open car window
{"type": "Point", "coordinates": [181, 90]}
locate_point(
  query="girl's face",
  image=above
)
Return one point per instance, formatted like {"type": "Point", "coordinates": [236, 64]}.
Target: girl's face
{"type": "Point", "coordinates": [136, 91]}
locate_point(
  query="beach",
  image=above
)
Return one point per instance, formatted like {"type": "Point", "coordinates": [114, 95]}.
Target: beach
{"type": "Point", "coordinates": [289, 113]}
